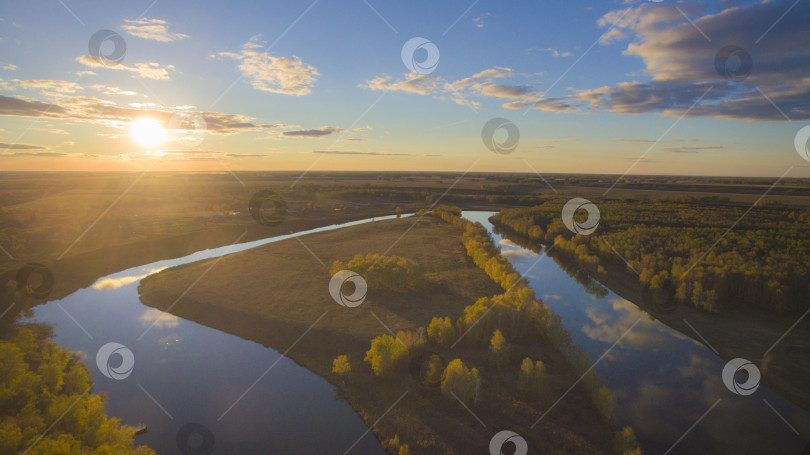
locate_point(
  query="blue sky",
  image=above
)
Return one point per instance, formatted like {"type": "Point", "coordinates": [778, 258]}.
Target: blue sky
{"type": "Point", "coordinates": [594, 87]}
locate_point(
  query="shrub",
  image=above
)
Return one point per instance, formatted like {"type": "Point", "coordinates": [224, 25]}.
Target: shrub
{"type": "Point", "coordinates": [340, 365]}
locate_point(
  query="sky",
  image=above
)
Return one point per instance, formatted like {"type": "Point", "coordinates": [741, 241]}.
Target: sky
{"type": "Point", "coordinates": [638, 87]}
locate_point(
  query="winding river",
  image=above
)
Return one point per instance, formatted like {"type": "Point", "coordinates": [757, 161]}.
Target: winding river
{"type": "Point", "coordinates": [187, 376]}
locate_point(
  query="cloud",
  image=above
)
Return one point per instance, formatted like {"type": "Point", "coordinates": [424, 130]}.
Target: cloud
{"type": "Point", "coordinates": [479, 21]}
{"type": "Point", "coordinates": [7, 146]}
{"type": "Point", "coordinates": [636, 140]}
{"type": "Point", "coordinates": [237, 155]}
{"type": "Point", "coordinates": [112, 90]}
{"type": "Point", "coordinates": [151, 29]}
{"type": "Point", "coordinates": [158, 319]}
{"type": "Point", "coordinates": [10, 67]}
{"type": "Point", "coordinates": [681, 62]}
{"type": "Point", "coordinates": [284, 75]}
{"type": "Point", "coordinates": [336, 152]}
{"type": "Point", "coordinates": [557, 54]}
{"type": "Point", "coordinates": [693, 149]}
{"type": "Point", "coordinates": [94, 110]}
{"type": "Point", "coordinates": [320, 132]}
{"type": "Point", "coordinates": [421, 84]}
{"type": "Point", "coordinates": [61, 87]}
{"type": "Point", "coordinates": [115, 283]}
{"type": "Point", "coordinates": [149, 70]}
{"type": "Point", "coordinates": [52, 130]}
{"type": "Point", "coordinates": [481, 84]}
{"type": "Point", "coordinates": [25, 108]}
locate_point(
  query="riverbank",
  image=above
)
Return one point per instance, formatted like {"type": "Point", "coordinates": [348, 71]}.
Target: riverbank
{"type": "Point", "coordinates": [273, 294]}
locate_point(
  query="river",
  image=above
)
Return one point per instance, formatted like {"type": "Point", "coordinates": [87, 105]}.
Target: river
{"type": "Point", "coordinates": [664, 380]}
{"type": "Point", "coordinates": [668, 386]}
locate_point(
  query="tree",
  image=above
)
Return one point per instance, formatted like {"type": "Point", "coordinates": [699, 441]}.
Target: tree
{"type": "Point", "coordinates": [499, 349]}
{"type": "Point", "coordinates": [404, 450]}
{"type": "Point", "coordinates": [385, 355]}
{"type": "Point", "coordinates": [44, 387]}
{"type": "Point", "coordinates": [411, 339]}
{"type": "Point", "coordinates": [433, 371]}
{"type": "Point", "coordinates": [626, 442]}
{"type": "Point", "coordinates": [441, 331]}
{"type": "Point", "coordinates": [340, 365]}
{"type": "Point", "coordinates": [532, 377]}
{"type": "Point", "coordinates": [460, 381]}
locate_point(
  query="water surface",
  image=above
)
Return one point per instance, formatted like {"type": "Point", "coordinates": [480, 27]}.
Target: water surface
{"type": "Point", "coordinates": [187, 373]}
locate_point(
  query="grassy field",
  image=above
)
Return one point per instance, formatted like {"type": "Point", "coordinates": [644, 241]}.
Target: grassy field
{"type": "Point", "coordinates": [273, 293]}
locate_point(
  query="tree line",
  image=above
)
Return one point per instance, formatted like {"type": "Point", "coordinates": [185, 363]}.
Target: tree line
{"type": "Point", "coordinates": [686, 250]}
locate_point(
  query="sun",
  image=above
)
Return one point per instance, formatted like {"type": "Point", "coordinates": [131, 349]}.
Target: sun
{"type": "Point", "coordinates": [147, 132]}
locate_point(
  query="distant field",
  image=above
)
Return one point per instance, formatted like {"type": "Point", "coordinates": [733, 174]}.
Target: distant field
{"type": "Point", "coordinates": [86, 225]}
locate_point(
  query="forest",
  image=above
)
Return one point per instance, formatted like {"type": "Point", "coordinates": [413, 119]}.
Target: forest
{"type": "Point", "coordinates": [715, 257]}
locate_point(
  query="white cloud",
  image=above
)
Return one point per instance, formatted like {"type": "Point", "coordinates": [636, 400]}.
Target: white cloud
{"type": "Point", "coordinates": [158, 319]}
{"type": "Point", "coordinates": [151, 29]}
{"type": "Point", "coordinates": [149, 70]}
{"type": "Point", "coordinates": [10, 67]}
{"type": "Point", "coordinates": [285, 75]}
{"type": "Point", "coordinates": [413, 83]}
